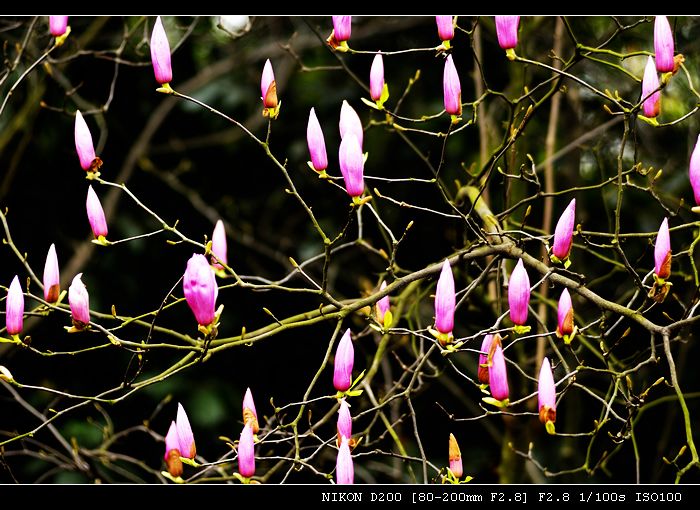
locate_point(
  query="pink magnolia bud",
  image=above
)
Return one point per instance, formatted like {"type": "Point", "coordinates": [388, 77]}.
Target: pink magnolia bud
{"type": "Point", "coordinates": [84, 146]}
{"type": "Point", "coordinates": [445, 300]}
{"type": "Point", "coordinates": [650, 82]}
{"type": "Point", "coordinates": [342, 27]}
{"type": "Point", "coordinates": [172, 451]}
{"type": "Point", "coordinates": [246, 453]}
{"type": "Point", "coordinates": [376, 77]}
{"type": "Point", "coordinates": [344, 470]}
{"type": "Point", "coordinates": [316, 143]}
{"type": "Point", "coordinates": [498, 378]}
{"type": "Point", "coordinates": [563, 233]}
{"type": "Point", "coordinates": [352, 163]}
{"type": "Point", "coordinates": [52, 280]}
{"type": "Point", "coordinates": [445, 26]}
{"type": "Point", "coordinates": [344, 425]}
{"type": "Point", "coordinates": [565, 315]}
{"type": "Point", "coordinates": [218, 245]}
{"type": "Point", "coordinates": [95, 214]}
{"type": "Point", "coordinates": [488, 346]}
{"type": "Point", "coordinates": [201, 290]}
{"type": "Point", "coordinates": [694, 171]}
{"type": "Point", "coordinates": [452, 89]}
{"type": "Point", "coordinates": [507, 31]}
{"type": "Point", "coordinates": [383, 305]}
{"type": "Point", "coordinates": [160, 54]}
{"type": "Point", "coordinates": [344, 361]}
{"type": "Point", "coordinates": [663, 45]}
{"type": "Point", "coordinates": [250, 415]}
{"type": "Point", "coordinates": [519, 294]}
{"type": "Point", "coordinates": [184, 434]}
{"type": "Point", "coordinates": [58, 25]}
{"type": "Point", "coordinates": [455, 457]}
{"type": "Point", "coordinates": [268, 86]}
{"type": "Point", "coordinates": [79, 302]}
{"type": "Point", "coordinates": [662, 252]}
{"type": "Point", "coordinates": [14, 308]}
{"type": "Point", "coordinates": [547, 396]}
{"type": "Point", "coordinates": [350, 122]}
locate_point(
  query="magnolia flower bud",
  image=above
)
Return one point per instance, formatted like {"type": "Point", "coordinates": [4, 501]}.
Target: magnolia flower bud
{"type": "Point", "coordinates": [95, 214]}
{"type": "Point", "coordinates": [344, 361]}
{"type": "Point", "coordinates": [84, 146]}
{"type": "Point", "coordinates": [201, 290]}
{"type": "Point", "coordinates": [218, 245]}
{"type": "Point", "coordinates": [376, 78]}
{"type": "Point", "coordinates": [250, 415]}
{"type": "Point", "coordinates": [694, 171]}
{"type": "Point", "coordinates": [342, 27]}
{"type": "Point", "coordinates": [498, 378]}
{"type": "Point", "coordinates": [160, 54]}
{"type": "Point", "coordinates": [52, 280]}
{"type": "Point", "coordinates": [344, 471]}
{"type": "Point", "coordinates": [58, 25]}
{"type": "Point", "coordinates": [352, 163]}
{"type": "Point", "coordinates": [650, 82]}
{"type": "Point", "coordinates": [317, 143]}
{"type": "Point", "coordinates": [235, 26]}
{"type": "Point", "coordinates": [445, 26]}
{"type": "Point", "coordinates": [488, 346]}
{"type": "Point", "coordinates": [350, 122]}
{"type": "Point", "coordinates": [344, 425]}
{"type": "Point", "coordinates": [455, 457]}
{"type": "Point", "coordinates": [663, 45]}
{"type": "Point", "coordinates": [565, 316]}
{"type": "Point", "coordinates": [383, 305]}
{"type": "Point", "coordinates": [519, 294]}
{"type": "Point", "coordinates": [184, 434]}
{"type": "Point", "coordinates": [452, 89]}
{"type": "Point", "coordinates": [79, 302]}
{"type": "Point", "coordinates": [172, 451]}
{"type": "Point", "coordinates": [507, 31]}
{"type": "Point", "coordinates": [547, 396]}
{"type": "Point", "coordinates": [246, 453]}
{"type": "Point", "coordinates": [445, 301]}
{"type": "Point", "coordinates": [14, 308]}
{"type": "Point", "coordinates": [563, 233]}
{"type": "Point", "coordinates": [662, 252]}
{"type": "Point", "coordinates": [268, 86]}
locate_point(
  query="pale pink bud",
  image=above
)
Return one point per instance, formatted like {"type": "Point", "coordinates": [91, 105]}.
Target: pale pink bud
{"type": "Point", "coordinates": [344, 361]}
{"type": "Point", "coordinates": [14, 308]}
{"type": "Point", "coordinates": [200, 288]}
{"type": "Point", "coordinates": [519, 294]}
{"type": "Point", "coordinates": [663, 45]}
{"type": "Point", "coordinates": [83, 143]}
{"type": "Point", "coordinates": [52, 280]}
{"type": "Point", "coordinates": [246, 453]}
{"type": "Point", "coordinates": [218, 245]}
{"type": "Point", "coordinates": [445, 26]}
{"type": "Point", "coordinates": [58, 25]}
{"type": "Point", "coordinates": [694, 171]}
{"type": "Point", "coordinates": [344, 425]}
{"type": "Point", "coordinates": [376, 77]}
{"type": "Point", "coordinates": [316, 142]}
{"type": "Point", "coordinates": [184, 434]}
{"type": "Point", "coordinates": [498, 378]}
{"type": "Point", "coordinates": [507, 31]}
{"type": "Point", "coordinates": [160, 54]}
{"type": "Point", "coordinates": [451, 87]}
{"type": "Point", "coordinates": [565, 314]}
{"type": "Point", "coordinates": [350, 122]}
{"type": "Point", "coordinates": [95, 214]}
{"type": "Point", "coordinates": [250, 415]}
{"type": "Point", "coordinates": [563, 233]}
{"type": "Point", "coordinates": [268, 86]}
{"type": "Point", "coordinates": [445, 300]}
{"type": "Point", "coordinates": [342, 27]}
{"type": "Point", "coordinates": [546, 394]}
{"type": "Point", "coordinates": [79, 302]}
{"type": "Point", "coordinates": [383, 305]}
{"type": "Point", "coordinates": [352, 163]}
{"type": "Point", "coordinates": [662, 251]}
{"type": "Point", "coordinates": [455, 457]}
{"type": "Point", "coordinates": [344, 470]}
{"type": "Point", "coordinates": [172, 451]}
{"type": "Point", "coordinates": [650, 82]}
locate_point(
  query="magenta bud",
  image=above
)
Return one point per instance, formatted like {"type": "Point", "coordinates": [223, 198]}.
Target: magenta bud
{"type": "Point", "coordinates": [14, 308]}
{"type": "Point", "coordinates": [344, 420]}
{"type": "Point", "coordinates": [519, 294]}
{"type": "Point", "coordinates": [342, 27]}
{"type": "Point", "coordinates": [376, 77]}
{"type": "Point", "coordinates": [546, 395]}
{"type": "Point", "coordinates": [563, 233]}
{"type": "Point", "coordinates": [452, 89]}
{"type": "Point", "coordinates": [445, 26]}
{"type": "Point", "coordinates": [83, 143]}
{"type": "Point", "coordinates": [201, 290]}
{"type": "Point", "coordinates": [507, 31]}
{"type": "Point", "coordinates": [316, 143]}
{"type": "Point", "coordinates": [172, 451]}
{"type": "Point", "coordinates": [565, 315]}
{"type": "Point", "coordinates": [95, 214]}
{"type": "Point", "coordinates": [445, 300]}
{"type": "Point", "coordinates": [218, 245]}
{"type": "Point", "coordinates": [694, 171]}
{"type": "Point", "coordinates": [663, 45]}
{"type": "Point", "coordinates": [383, 305]}
{"type": "Point", "coordinates": [662, 252]}
{"type": "Point", "coordinates": [160, 54]}
{"type": "Point", "coordinates": [352, 163]}
{"type": "Point", "coordinates": [184, 434]}
{"type": "Point", "coordinates": [79, 302]}
{"type": "Point", "coordinates": [498, 378]}
{"type": "Point", "coordinates": [246, 453]}
{"type": "Point", "coordinates": [455, 457]}
{"type": "Point", "coordinates": [52, 280]}
{"type": "Point", "coordinates": [344, 471]}
{"type": "Point", "coordinates": [250, 414]}
{"type": "Point", "coordinates": [350, 122]}
{"type": "Point", "coordinates": [344, 361]}
{"type": "Point", "coordinates": [650, 82]}
{"type": "Point", "coordinates": [58, 25]}
{"type": "Point", "coordinates": [268, 86]}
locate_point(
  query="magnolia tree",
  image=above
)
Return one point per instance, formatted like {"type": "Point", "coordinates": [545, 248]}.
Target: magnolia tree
{"type": "Point", "coordinates": [348, 250]}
